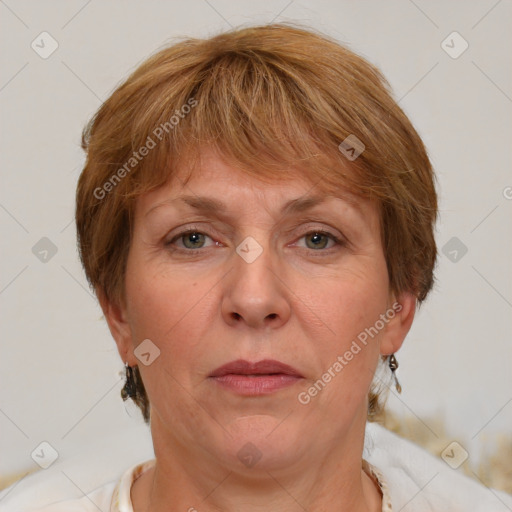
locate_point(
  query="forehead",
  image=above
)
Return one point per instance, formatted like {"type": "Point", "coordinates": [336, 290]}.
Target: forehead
{"type": "Point", "coordinates": [225, 183]}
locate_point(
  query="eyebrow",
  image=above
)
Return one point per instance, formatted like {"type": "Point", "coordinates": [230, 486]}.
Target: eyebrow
{"type": "Point", "coordinates": [212, 206]}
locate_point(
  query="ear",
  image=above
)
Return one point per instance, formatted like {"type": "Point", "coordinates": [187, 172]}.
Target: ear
{"type": "Point", "coordinates": [404, 307]}
{"type": "Point", "coordinates": [117, 320]}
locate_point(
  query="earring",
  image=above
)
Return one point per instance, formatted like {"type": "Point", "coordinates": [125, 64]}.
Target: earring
{"type": "Point", "coordinates": [130, 388]}
{"type": "Point", "coordinates": [393, 365]}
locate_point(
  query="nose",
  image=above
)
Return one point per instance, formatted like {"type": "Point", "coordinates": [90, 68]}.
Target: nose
{"type": "Point", "coordinates": [254, 294]}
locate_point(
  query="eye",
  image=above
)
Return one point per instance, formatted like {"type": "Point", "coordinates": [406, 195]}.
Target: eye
{"type": "Point", "coordinates": [318, 239]}
{"type": "Point", "coordinates": [190, 239]}
{"type": "Point", "coordinates": [193, 239]}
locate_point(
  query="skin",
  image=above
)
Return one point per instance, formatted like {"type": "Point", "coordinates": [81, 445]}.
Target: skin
{"type": "Point", "coordinates": [302, 301]}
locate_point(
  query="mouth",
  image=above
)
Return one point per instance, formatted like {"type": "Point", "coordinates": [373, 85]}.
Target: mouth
{"type": "Point", "coordinates": [258, 378]}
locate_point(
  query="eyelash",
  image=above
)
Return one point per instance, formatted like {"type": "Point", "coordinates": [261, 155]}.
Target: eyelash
{"type": "Point", "coordinates": [338, 241]}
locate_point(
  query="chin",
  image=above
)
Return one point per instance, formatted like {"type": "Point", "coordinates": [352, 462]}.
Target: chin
{"type": "Point", "coordinates": [262, 442]}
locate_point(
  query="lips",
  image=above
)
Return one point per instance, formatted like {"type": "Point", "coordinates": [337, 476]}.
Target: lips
{"type": "Point", "coordinates": [261, 378]}
{"type": "Point", "coordinates": [246, 368]}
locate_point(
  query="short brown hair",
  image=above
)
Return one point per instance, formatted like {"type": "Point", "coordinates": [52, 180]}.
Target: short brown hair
{"type": "Point", "coordinates": [275, 100]}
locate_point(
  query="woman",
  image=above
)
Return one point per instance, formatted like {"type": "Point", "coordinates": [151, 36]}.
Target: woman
{"type": "Point", "coordinates": [256, 217]}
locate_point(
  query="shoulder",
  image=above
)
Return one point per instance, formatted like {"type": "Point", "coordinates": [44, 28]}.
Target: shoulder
{"type": "Point", "coordinates": [40, 492]}
{"type": "Point", "coordinates": [55, 497]}
{"type": "Point", "coordinates": [83, 477]}
{"type": "Point", "coordinates": [419, 482]}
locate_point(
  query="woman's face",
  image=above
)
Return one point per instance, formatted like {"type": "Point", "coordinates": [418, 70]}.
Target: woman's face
{"type": "Point", "coordinates": [278, 272]}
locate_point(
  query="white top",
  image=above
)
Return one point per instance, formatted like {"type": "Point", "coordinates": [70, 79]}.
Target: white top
{"type": "Point", "coordinates": [410, 479]}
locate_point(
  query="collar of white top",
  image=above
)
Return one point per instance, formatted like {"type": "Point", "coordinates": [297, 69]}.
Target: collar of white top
{"type": "Point", "coordinates": [121, 498]}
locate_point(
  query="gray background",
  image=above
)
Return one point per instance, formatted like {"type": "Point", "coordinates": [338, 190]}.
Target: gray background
{"type": "Point", "coordinates": [59, 366]}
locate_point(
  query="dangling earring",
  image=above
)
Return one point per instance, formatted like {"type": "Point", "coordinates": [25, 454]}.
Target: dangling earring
{"type": "Point", "coordinates": [393, 365]}
{"type": "Point", "coordinates": [130, 388]}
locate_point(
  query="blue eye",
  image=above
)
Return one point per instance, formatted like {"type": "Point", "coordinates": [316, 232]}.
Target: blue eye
{"type": "Point", "coordinates": [319, 239]}
{"type": "Point", "coordinates": [192, 240]}
{"type": "Point", "coordinates": [196, 239]}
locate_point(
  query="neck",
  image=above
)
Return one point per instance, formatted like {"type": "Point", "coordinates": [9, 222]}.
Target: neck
{"type": "Point", "coordinates": [332, 480]}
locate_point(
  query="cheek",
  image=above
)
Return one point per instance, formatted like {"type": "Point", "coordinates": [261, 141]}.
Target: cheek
{"type": "Point", "coordinates": [348, 305]}
{"type": "Point", "coordinates": [172, 310]}
{"type": "Point", "coordinates": [159, 299]}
